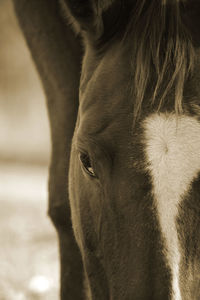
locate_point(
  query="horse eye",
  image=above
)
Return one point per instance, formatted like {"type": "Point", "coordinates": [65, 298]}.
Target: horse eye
{"type": "Point", "coordinates": [85, 160]}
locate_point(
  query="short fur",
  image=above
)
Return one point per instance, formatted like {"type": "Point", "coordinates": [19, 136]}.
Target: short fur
{"type": "Point", "coordinates": [162, 47]}
{"type": "Point", "coordinates": [138, 57]}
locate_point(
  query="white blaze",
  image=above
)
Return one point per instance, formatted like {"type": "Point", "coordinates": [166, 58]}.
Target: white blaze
{"type": "Point", "coordinates": [173, 154]}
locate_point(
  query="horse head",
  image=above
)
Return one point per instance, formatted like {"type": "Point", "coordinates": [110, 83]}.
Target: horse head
{"type": "Point", "coordinates": [135, 161]}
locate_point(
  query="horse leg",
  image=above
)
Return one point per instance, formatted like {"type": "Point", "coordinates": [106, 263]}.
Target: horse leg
{"type": "Point", "coordinates": [56, 53]}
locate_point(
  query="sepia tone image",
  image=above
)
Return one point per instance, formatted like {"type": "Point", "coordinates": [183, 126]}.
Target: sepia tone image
{"type": "Point", "coordinates": [99, 150]}
{"type": "Point", "coordinates": [28, 253]}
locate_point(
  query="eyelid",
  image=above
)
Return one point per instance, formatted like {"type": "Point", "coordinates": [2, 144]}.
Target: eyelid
{"type": "Point", "coordinates": [98, 152]}
{"type": "Point", "coordinates": [87, 169]}
{"type": "Point", "coordinates": [93, 176]}
{"type": "Point", "coordinates": [92, 144]}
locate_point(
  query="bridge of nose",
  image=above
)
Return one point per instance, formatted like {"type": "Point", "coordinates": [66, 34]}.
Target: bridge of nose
{"type": "Point", "coordinates": [132, 200]}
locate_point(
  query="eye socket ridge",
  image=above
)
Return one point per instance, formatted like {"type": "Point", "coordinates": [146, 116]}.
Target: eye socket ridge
{"type": "Point", "coordinates": [87, 164]}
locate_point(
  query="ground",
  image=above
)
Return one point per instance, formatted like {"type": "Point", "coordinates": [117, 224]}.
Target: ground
{"type": "Point", "coordinates": [28, 254]}
{"type": "Point", "coordinates": [29, 268]}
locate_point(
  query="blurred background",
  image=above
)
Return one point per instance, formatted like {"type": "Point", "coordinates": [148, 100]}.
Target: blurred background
{"type": "Point", "coordinates": [28, 243]}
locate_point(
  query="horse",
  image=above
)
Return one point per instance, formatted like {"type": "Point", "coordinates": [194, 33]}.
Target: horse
{"type": "Point", "coordinates": [122, 84]}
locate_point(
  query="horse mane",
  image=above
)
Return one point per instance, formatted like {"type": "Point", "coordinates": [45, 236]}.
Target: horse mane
{"type": "Point", "coordinates": [162, 44]}
{"type": "Point", "coordinates": [162, 49]}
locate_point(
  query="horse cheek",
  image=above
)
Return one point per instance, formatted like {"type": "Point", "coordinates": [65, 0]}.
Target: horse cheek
{"type": "Point", "coordinates": [85, 202]}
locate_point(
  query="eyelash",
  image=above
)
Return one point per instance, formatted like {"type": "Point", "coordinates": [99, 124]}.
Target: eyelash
{"type": "Point", "coordinates": [86, 163]}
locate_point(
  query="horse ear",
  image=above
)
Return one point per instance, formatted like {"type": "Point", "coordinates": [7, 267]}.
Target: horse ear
{"type": "Point", "coordinates": [86, 15]}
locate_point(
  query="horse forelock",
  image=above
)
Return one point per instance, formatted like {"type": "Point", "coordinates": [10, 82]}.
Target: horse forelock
{"type": "Point", "coordinates": [161, 46]}
{"type": "Point", "coordinates": [163, 53]}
